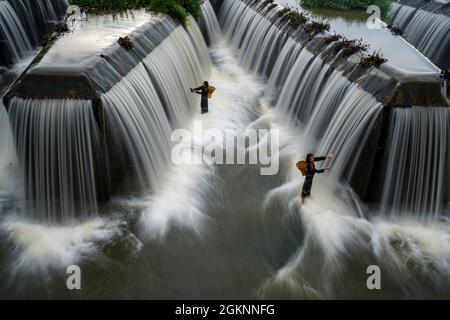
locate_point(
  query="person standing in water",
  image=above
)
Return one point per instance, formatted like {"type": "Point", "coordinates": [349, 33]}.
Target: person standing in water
{"type": "Point", "coordinates": [311, 171]}
{"type": "Point", "coordinates": [206, 92]}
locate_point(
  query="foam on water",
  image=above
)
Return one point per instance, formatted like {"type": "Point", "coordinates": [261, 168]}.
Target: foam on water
{"type": "Point", "coordinates": [39, 248]}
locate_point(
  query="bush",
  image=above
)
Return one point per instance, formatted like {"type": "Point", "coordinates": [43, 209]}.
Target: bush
{"type": "Point", "coordinates": [296, 19]}
{"type": "Point", "coordinates": [348, 4]}
{"type": "Point", "coordinates": [333, 38]}
{"type": "Point", "coordinates": [177, 9]}
{"type": "Point", "coordinates": [375, 59]}
{"type": "Point", "coordinates": [170, 7]}
{"type": "Point", "coordinates": [349, 47]}
{"type": "Point", "coordinates": [316, 27]}
{"type": "Point", "coordinates": [126, 42]}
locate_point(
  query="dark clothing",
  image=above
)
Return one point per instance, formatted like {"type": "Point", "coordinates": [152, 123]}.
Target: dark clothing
{"type": "Point", "coordinates": [204, 105]}
{"type": "Point", "coordinates": [310, 172]}
{"type": "Point", "coordinates": [204, 92]}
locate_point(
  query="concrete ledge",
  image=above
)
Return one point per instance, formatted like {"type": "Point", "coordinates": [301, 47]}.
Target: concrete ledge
{"type": "Point", "coordinates": [42, 80]}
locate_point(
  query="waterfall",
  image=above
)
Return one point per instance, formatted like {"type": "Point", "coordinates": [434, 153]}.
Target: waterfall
{"type": "Point", "coordinates": [22, 24]}
{"type": "Point", "coordinates": [159, 82]}
{"type": "Point", "coordinates": [209, 23]}
{"type": "Point", "coordinates": [301, 85]}
{"type": "Point", "coordinates": [417, 161]}
{"type": "Point", "coordinates": [6, 144]}
{"type": "Point", "coordinates": [400, 15]}
{"type": "Point", "coordinates": [13, 36]}
{"type": "Point", "coordinates": [258, 41]}
{"type": "Point", "coordinates": [69, 159]}
{"type": "Point", "coordinates": [141, 127]}
{"type": "Point", "coordinates": [339, 115]}
{"type": "Point", "coordinates": [428, 32]}
{"type": "Point", "coordinates": [347, 126]}
{"type": "Point", "coordinates": [56, 143]}
{"type": "Point", "coordinates": [91, 110]}
{"type": "Point", "coordinates": [281, 70]}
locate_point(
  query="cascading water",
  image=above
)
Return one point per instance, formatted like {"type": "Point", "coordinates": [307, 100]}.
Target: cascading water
{"type": "Point", "coordinates": [236, 233]}
{"type": "Point", "coordinates": [23, 23]}
{"type": "Point", "coordinates": [258, 41]}
{"type": "Point", "coordinates": [56, 141]}
{"type": "Point", "coordinates": [63, 178]}
{"type": "Point", "coordinates": [209, 23]}
{"type": "Point", "coordinates": [337, 114]}
{"type": "Point", "coordinates": [282, 69]}
{"type": "Point", "coordinates": [6, 144]}
{"type": "Point", "coordinates": [13, 36]}
{"type": "Point", "coordinates": [417, 161]}
{"type": "Point", "coordinates": [428, 32]}
{"type": "Point", "coordinates": [401, 15]}
{"type": "Point", "coordinates": [157, 82]}
{"type": "Point", "coordinates": [144, 132]}
{"type": "Point", "coordinates": [310, 75]}
{"type": "Point", "coordinates": [347, 128]}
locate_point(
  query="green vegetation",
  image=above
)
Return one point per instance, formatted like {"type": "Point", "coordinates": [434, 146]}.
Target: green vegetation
{"type": "Point", "coordinates": [178, 9]}
{"type": "Point", "coordinates": [348, 4]}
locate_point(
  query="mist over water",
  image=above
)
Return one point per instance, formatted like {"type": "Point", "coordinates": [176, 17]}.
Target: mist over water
{"type": "Point", "coordinates": [226, 231]}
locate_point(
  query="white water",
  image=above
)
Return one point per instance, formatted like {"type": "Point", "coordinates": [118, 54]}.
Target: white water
{"type": "Point", "coordinates": [7, 154]}
{"type": "Point", "coordinates": [228, 232]}
{"type": "Point", "coordinates": [418, 160]}
{"type": "Point", "coordinates": [13, 32]}
{"type": "Point", "coordinates": [23, 23]}
{"type": "Point", "coordinates": [38, 248]}
{"type": "Point", "coordinates": [59, 142]}
{"type": "Point", "coordinates": [428, 32]}
{"type": "Point", "coordinates": [56, 143]}
{"type": "Point", "coordinates": [209, 23]}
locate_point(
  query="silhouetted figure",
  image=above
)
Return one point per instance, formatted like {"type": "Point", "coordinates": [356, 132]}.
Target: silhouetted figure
{"type": "Point", "coordinates": [309, 170]}
{"type": "Point", "coordinates": [206, 92]}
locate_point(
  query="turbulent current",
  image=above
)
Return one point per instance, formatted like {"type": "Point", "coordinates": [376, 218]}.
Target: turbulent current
{"type": "Point", "coordinates": [226, 231]}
